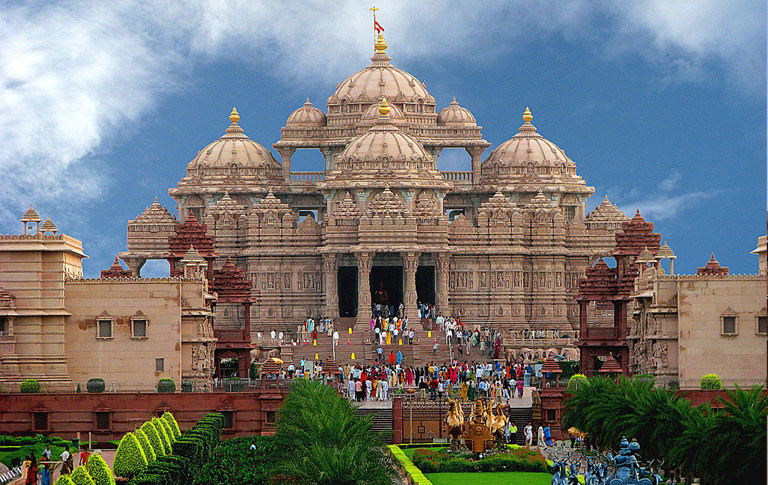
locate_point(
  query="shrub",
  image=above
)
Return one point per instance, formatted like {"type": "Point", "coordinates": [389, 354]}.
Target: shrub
{"type": "Point", "coordinates": [168, 430]}
{"type": "Point", "coordinates": [189, 447]}
{"type": "Point", "coordinates": [130, 459]}
{"type": "Point", "coordinates": [154, 438]}
{"type": "Point", "coordinates": [99, 471]}
{"type": "Point", "coordinates": [234, 462]}
{"type": "Point", "coordinates": [166, 385]}
{"type": "Point", "coordinates": [64, 480]}
{"type": "Point", "coordinates": [711, 381]}
{"type": "Point", "coordinates": [95, 385]}
{"type": "Point", "coordinates": [172, 421]}
{"type": "Point", "coordinates": [149, 452]}
{"type": "Point", "coordinates": [81, 477]}
{"type": "Point", "coordinates": [162, 434]}
{"type": "Point", "coordinates": [575, 382]}
{"type": "Point", "coordinates": [569, 368]}
{"type": "Point", "coordinates": [30, 386]}
{"type": "Point", "coordinates": [148, 479]}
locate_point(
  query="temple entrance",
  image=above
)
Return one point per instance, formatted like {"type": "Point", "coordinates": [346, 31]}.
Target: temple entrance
{"type": "Point", "coordinates": [425, 284]}
{"type": "Point", "coordinates": [347, 288]}
{"type": "Point", "coordinates": [387, 285]}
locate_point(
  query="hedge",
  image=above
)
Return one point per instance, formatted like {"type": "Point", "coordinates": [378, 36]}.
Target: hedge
{"type": "Point", "coordinates": [154, 439]}
{"type": "Point", "coordinates": [166, 385]}
{"type": "Point", "coordinates": [711, 381]}
{"type": "Point", "coordinates": [167, 429]}
{"type": "Point", "coordinates": [30, 386]}
{"type": "Point", "coordinates": [416, 475]}
{"type": "Point", "coordinates": [64, 480]}
{"type": "Point", "coordinates": [162, 434]}
{"type": "Point", "coordinates": [130, 459]}
{"type": "Point", "coordinates": [172, 421]}
{"type": "Point", "coordinates": [81, 477]}
{"type": "Point", "coordinates": [99, 471]}
{"type": "Point", "coordinates": [149, 452]}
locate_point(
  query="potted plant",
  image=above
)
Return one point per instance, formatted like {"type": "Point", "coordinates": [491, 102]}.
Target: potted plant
{"type": "Point", "coordinates": [95, 385]}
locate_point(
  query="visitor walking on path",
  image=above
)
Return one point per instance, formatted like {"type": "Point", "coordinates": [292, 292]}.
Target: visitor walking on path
{"type": "Point", "coordinates": [528, 436]}
{"type": "Point", "coordinates": [547, 436]}
{"type": "Point", "coordinates": [540, 438]}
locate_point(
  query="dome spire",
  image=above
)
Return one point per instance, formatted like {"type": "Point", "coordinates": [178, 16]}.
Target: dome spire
{"type": "Point", "coordinates": [234, 117]}
{"type": "Point", "coordinates": [380, 44]}
{"type": "Point", "coordinates": [528, 127]}
{"type": "Point", "coordinates": [527, 116]}
{"type": "Point", "coordinates": [383, 107]}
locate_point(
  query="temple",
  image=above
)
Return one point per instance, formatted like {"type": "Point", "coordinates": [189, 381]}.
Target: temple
{"type": "Point", "coordinates": [502, 243]}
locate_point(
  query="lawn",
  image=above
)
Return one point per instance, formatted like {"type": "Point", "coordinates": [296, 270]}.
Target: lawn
{"type": "Point", "coordinates": [7, 457]}
{"type": "Point", "coordinates": [490, 478]}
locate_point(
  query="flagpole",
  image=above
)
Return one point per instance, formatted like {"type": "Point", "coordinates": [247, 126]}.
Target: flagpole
{"type": "Point", "coordinates": [374, 9]}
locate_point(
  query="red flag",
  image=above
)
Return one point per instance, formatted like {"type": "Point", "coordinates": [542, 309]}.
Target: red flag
{"type": "Point", "coordinates": [377, 27]}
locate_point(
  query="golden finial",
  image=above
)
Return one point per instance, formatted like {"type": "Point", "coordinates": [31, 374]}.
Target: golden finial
{"type": "Point", "coordinates": [527, 116]}
{"type": "Point", "coordinates": [383, 107]}
{"type": "Point", "coordinates": [381, 44]}
{"type": "Point", "coordinates": [233, 116]}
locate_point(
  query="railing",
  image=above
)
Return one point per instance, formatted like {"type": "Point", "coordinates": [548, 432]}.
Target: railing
{"type": "Point", "coordinates": [307, 177]}
{"type": "Point", "coordinates": [536, 342]}
{"type": "Point", "coordinates": [458, 177]}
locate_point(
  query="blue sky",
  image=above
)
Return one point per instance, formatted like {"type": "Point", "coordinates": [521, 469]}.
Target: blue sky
{"type": "Point", "coordinates": [661, 105]}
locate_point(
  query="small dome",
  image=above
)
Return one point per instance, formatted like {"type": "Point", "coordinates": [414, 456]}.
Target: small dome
{"type": "Point", "coordinates": [372, 113]}
{"type": "Point", "coordinates": [383, 145]}
{"type": "Point", "coordinates": [528, 147]}
{"type": "Point", "coordinates": [307, 116]}
{"type": "Point", "coordinates": [234, 150]}
{"type": "Point", "coordinates": [455, 115]}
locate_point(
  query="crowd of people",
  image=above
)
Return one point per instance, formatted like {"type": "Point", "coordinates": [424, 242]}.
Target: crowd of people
{"type": "Point", "coordinates": [547, 334]}
{"type": "Point", "coordinates": [41, 473]}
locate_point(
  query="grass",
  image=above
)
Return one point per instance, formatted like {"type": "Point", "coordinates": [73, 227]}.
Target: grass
{"type": "Point", "coordinates": [23, 452]}
{"type": "Point", "coordinates": [490, 478]}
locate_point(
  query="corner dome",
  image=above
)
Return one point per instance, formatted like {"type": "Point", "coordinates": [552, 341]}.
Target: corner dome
{"type": "Point", "coordinates": [373, 112]}
{"type": "Point", "coordinates": [235, 152]}
{"type": "Point", "coordinates": [528, 147]}
{"type": "Point", "coordinates": [307, 116]}
{"type": "Point", "coordinates": [455, 115]}
{"type": "Point", "coordinates": [381, 79]}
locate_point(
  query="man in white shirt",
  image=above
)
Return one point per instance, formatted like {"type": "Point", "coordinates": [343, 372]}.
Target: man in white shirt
{"type": "Point", "coordinates": [528, 435]}
{"type": "Point", "coordinates": [65, 456]}
{"type": "Point", "coordinates": [273, 334]}
{"type": "Point", "coordinates": [335, 337]}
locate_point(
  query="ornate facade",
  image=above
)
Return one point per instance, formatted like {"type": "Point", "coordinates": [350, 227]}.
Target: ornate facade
{"type": "Point", "coordinates": [502, 243]}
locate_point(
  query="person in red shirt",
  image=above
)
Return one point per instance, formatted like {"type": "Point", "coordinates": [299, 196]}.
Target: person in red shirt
{"type": "Point", "coordinates": [84, 455]}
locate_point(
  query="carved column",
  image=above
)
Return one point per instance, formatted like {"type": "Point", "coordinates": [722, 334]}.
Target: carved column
{"type": "Point", "coordinates": [583, 317]}
{"type": "Point", "coordinates": [331, 268]}
{"type": "Point", "coordinates": [410, 264]}
{"type": "Point", "coordinates": [442, 266]}
{"type": "Point", "coordinates": [286, 153]}
{"type": "Point", "coordinates": [364, 263]}
{"type": "Point", "coordinates": [476, 153]}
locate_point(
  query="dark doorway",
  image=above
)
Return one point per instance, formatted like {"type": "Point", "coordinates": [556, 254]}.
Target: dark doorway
{"type": "Point", "coordinates": [347, 281]}
{"type": "Point", "coordinates": [425, 284]}
{"type": "Point", "coordinates": [390, 280]}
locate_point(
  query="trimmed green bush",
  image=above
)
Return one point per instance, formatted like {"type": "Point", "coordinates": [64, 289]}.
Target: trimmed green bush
{"type": "Point", "coordinates": [168, 430]}
{"type": "Point", "coordinates": [30, 386]}
{"type": "Point", "coordinates": [172, 421]}
{"type": "Point", "coordinates": [576, 381]}
{"type": "Point", "coordinates": [64, 480]}
{"type": "Point", "coordinates": [95, 385]}
{"type": "Point", "coordinates": [130, 459]}
{"type": "Point", "coordinates": [99, 471]}
{"type": "Point", "coordinates": [166, 385]}
{"type": "Point", "coordinates": [711, 381]}
{"type": "Point", "coordinates": [149, 452]}
{"type": "Point", "coordinates": [154, 438]}
{"type": "Point", "coordinates": [163, 434]}
{"type": "Point", "coordinates": [81, 477]}
{"type": "Point", "coordinates": [148, 479]}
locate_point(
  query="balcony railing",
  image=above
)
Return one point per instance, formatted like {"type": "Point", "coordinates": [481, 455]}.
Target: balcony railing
{"type": "Point", "coordinates": [307, 177]}
{"type": "Point", "coordinates": [459, 178]}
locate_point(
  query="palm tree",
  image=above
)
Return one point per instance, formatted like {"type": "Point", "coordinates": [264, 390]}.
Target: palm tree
{"type": "Point", "coordinates": [321, 441]}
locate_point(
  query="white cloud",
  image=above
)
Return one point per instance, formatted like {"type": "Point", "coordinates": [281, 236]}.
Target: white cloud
{"type": "Point", "coordinates": [671, 181]}
{"type": "Point", "coordinates": [658, 207]}
{"type": "Point", "coordinates": [74, 73]}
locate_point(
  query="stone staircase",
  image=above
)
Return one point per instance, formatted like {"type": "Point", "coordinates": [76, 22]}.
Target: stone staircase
{"type": "Point", "coordinates": [382, 421]}
{"type": "Point", "coordinates": [521, 417]}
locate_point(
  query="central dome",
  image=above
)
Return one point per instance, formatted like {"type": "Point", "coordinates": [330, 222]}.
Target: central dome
{"type": "Point", "coordinates": [380, 80]}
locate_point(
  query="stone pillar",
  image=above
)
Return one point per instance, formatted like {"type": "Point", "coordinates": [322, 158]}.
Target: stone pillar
{"type": "Point", "coordinates": [286, 153]}
{"type": "Point", "coordinates": [442, 266]}
{"type": "Point", "coordinates": [583, 317]}
{"type": "Point", "coordinates": [247, 330]}
{"type": "Point", "coordinates": [620, 318]}
{"type": "Point", "coordinates": [329, 158]}
{"type": "Point", "coordinates": [135, 264]}
{"type": "Point", "coordinates": [331, 268]}
{"type": "Point", "coordinates": [410, 264]}
{"type": "Point", "coordinates": [476, 153]}
{"type": "Point", "coordinates": [364, 263]}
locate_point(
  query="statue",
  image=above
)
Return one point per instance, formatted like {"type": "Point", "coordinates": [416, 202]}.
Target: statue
{"type": "Point", "coordinates": [477, 435]}
{"type": "Point", "coordinates": [381, 295]}
{"type": "Point", "coordinates": [496, 423]}
{"type": "Point", "coordinates": [455, 422]}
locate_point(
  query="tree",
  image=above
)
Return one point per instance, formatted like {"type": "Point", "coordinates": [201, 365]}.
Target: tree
{"type": "Point", "coordinates": [163, 434]}
{"type": "Point", "coordinates": [99, 471]}
{"type": "Point", "coordinates": [64, 480]}
{"type": "Point", "coordinates": [149, 452]}
{"type": "Point", "coordinates": [130, 459]}
{"type": "Point", "coordinates": [322, 441]}
{"type": "Point", "coordinates": [81, 477]}
{"type": "Point", "coordinates": [154, 438]}
{"type": "Point", "coordinates": [711, 381]}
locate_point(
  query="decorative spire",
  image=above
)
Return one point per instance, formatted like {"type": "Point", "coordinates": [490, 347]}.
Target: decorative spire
{"type": "Point", "coordinates": [380, 44]}
{"type": "Point", "coordinates": [234, 117]}
{"type": "Point", "coordinates": [527, 129]}
{"type": "Point", "coordinates": [454, 103]}
{"type": "Point", "coordinates": [31, 215]}
{"type": "Point", "coordinates": [234, 128]}
{"type": "Point", "coordinates": [384, 106]}
{"type": "Point", "coordinates": [527, 116]}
